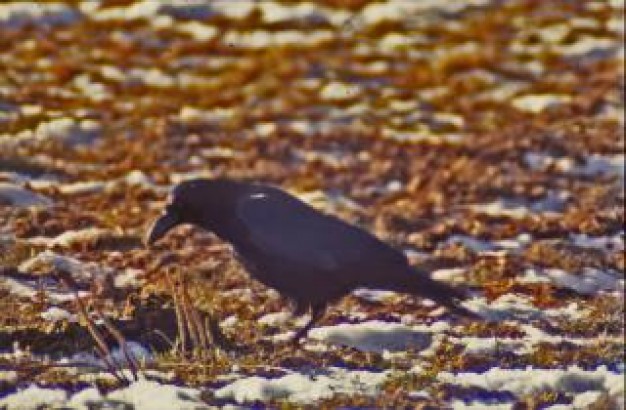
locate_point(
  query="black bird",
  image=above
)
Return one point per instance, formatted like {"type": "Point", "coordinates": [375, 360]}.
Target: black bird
{"type": "Point", "coordinates": [310, 257]}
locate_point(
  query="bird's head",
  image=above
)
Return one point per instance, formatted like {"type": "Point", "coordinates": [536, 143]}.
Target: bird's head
{"type": "Point", "coordinates": [195, 202]}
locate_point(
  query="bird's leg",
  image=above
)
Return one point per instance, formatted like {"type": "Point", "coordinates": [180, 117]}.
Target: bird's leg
{"type": "Point", "coordinates": [317, 311]}
{"type": "Point", "coordinates": [299, 309]}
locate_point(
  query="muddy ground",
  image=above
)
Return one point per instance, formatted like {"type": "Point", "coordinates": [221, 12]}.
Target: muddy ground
{"type": "Point", "coordinates": [483, 138]}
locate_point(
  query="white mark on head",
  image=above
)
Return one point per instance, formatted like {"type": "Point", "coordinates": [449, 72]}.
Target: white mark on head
{"type": "Point", "coordinates": [260, 195]}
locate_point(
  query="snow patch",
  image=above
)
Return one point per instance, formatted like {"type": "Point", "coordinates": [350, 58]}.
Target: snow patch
{"type": "Point", "coordinates": [477, 245]}
{"type": "Point", "coordinates": [80, 271]}
{"type": "Point", "coordinates": [531, 381]}
{"type": "Point", "coordinates": [136, 351]}
{"type": "Point", "coordinates": [64, 129]}
{"type": "Point", "coordinates": [552, 203]}
{"type": "Point", "coordinates": [400, 10]}
{"type": "Point", "coordinates": [303, 388]}
{"type": "Point", "coordinates": [191, 114]}
{"type": "Point", "coordinates": [128, 278]}
{"type": "Point", "coordinates": [138, 10]}
{"type": "Point", "coordinates": [69, 238]}
{"type": "Point", "coordinates": [594, 164]}
{"type": "Point", "coordinates": [134, 177]}
{"type": "Point", "coordinates": [199, 31]}
{"type": "Point", "coordinates": [589, 282]}
{"type": "Point", "coordinates": [589, 46]}
{"type": "Point", "coordinates": [501, 208]}
{"type": "Point", "coordinates": [422, 135]}
{"type": "Point", "coordinates": [374, 336]}
{"type": "Point", "coordinates": [84, 399]}
{"type": "Point", "coordinates": [19, 13]}
{"type": "Point", "coordinates": [586, 400]}
{"type": "Point", "coordinates": [536, 103]}
{"type": "Point", "coordinates": [480, 405]}
{"type": "Point", "coordinates": [506, 306]}
{"type": "Point", "coordinates": [230, 321]}
{"type": "Point", "coordinates": [483, 345]}
{"type": "Point", "coordinates": [399, 41]}
{"type": "Point", "coordinates": [235, 9]}
{"type": "Point", "coordinates": [15, 195]}
{"type": "Point", "coordinates": [56, 314]}
{"type": "Point", "coordinates": [337, 91]}
{"type": "Point", "coordinates": [142, 395]}
{"type": "Point", "coordinates": [275, 319]}
{"type": "Point", "coordinates": [274, 12]}
{"type": "Point", "coordinates": [79, 188]}
{"type": "Point", "coordinates": [33, 397]}
{"type": "Point", "coordinates": [597, 165]}
{"type": "Point", "coordinates": [372, 295]}
{"type": "Point", "coordinates": [258, 39]}
{"type": "Point", "coordinates": [526, 344]}
{"type": "Point", "coordinates": [265, 129]}
{"type": "Point", "coordinates": [448, 275]}
{"type": "Point", "coordinates": [610, 243]}
{"type": "Point", "coordinates": [8, 376]}
{"type": "Point", "coordinates": [474, 244]}
{"type": "Point", "coordinates": [93, 90]}
{"type": "Point", "coordinates": [30, 290]}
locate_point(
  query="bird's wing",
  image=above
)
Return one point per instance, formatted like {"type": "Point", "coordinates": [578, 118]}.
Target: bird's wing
{"type": "Point", "coordinates": [284, 227]}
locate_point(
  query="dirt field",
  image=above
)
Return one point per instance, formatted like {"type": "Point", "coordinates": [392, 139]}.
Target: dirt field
{"type": "Point", "coordinates": [484, 138]}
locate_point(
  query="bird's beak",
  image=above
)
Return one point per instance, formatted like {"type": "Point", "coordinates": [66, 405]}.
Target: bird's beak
{"type": "Point", "coordinates": [160, 227]}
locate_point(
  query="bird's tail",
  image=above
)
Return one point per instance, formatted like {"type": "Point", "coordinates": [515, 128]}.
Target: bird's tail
{"type": "Point", "coordinates": [420, 284]}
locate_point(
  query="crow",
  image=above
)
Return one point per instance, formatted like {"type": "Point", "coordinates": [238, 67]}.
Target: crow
{"type": "Point", "coordinates": [307, 256]}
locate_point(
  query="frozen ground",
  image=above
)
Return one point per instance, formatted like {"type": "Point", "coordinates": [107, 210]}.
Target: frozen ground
{"type": "Point", "coordinates": [483, 138]}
